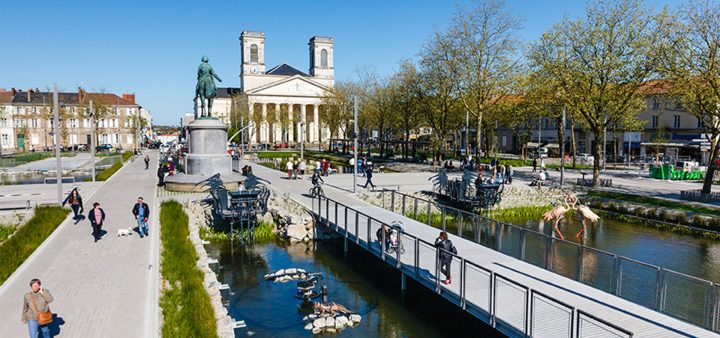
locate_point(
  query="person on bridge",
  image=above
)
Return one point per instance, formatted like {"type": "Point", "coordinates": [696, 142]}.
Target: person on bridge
{"type": "Point", "coordinates": [141, 211]}
{"type": "Point", "coordinates": [147, 162]}
{"type": "Point", "coordinates": [447, 250]}
{"type": "Point", "coordinates": [76, 204]}
{"type": "Point", "coordinates": [35, 302]}
{"type": "Point", "coordinates": [97, 218]}
{"type": "Point", "coordinates": [369, 174]}
{"type": "Point", "coordinates": [384, 230]}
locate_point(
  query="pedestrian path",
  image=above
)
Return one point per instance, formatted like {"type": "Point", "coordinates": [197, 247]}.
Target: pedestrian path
{"type": "Point", "coordinates": [103, 289]}
{"type": "Point", "coordinates": [511, 291]}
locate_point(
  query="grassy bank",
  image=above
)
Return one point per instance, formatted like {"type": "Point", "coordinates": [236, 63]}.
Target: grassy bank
{"type": "Point", "coordinates": [185, 304]}
{"type": "Point", "coordinates": [6, 231]}
{"type": "Point", "coordinates": [26, 239]}
{"type": "Point", "coordinates": [107, 173]}
{"type": "Point", "coordinates": [263, 233]}
{"type": "Point", "coordinates": [655, 202]}
{"type": "Point", "coordinates": [18, 159]}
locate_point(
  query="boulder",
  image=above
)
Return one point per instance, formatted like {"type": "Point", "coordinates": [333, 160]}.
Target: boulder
{"type": "Point", "coordinates": [316, 330]}
{"type": "Point", "coordinates": [291, 271]}
{"type": "Point", "coordinates": [319, 323]}
{"type": "Point", "coordinates": [331, 330]}
{"type": "Point", "coordinates": [309, 326]}
{"type": "Point", "coordinates": [341, 321]}
{"type": "Point", "coordinates": [355, 318]}
{"type": "Point", "coordinates": [296, 231]}
{"type": "Point", "coordinates": [330, 322]}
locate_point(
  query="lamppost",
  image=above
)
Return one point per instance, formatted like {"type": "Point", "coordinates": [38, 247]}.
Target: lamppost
{"type": "Point", "coordinates": [56, 131]}
{"type": "Point", "coordinates": [355, 143]}
{"type": "Point", "coordinates": [92, 139]}
{"type": "Point", "coordinates": [137, 130]}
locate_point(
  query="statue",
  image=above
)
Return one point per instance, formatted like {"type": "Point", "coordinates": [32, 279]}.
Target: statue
{"type": "Point", "coordinates": [558, 212]}
{"type": "Point", "coordinates": [205, 88]}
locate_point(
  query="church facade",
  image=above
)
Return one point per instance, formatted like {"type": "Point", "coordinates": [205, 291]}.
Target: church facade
{"type": "Point", "coordinates": [282, 103]}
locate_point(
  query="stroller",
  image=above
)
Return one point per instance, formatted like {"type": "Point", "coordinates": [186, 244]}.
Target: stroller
{"type": "Point", "coordinates": [393, 242]}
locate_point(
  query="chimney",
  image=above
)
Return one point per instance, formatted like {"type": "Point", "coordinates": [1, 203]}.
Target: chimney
{"type": "Point", "coordinates": [30, 92]}
{"type": "Point", "coordinates": [129, 97]}
{"type": "Point", "coordinates": [81, 95]}
{"type": "Point", "coordinates": [14, 91]}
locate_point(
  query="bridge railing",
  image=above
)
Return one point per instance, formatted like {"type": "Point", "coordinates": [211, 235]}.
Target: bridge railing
{"type": "Point", "coordinates": [691, 299]}
{"type": "Point", "coordinates": [506, 304]}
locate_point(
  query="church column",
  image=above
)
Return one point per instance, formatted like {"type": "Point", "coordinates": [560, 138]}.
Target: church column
{"type": "Point", "coordinates": [278, 126]}
{"type": "Point", "coordinates": [250, 132]}
{"type": "Point", "coordinates": [264, 124]}
{"type": "Point", "coordinates": [316, 121]}
{"type": "Point", "coordinates": [291, 124]}
{"type": "Point", "coordinates": [304, 129]}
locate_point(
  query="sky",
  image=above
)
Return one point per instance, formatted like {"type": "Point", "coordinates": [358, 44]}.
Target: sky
{"type": "Point", "coordinates": [153, 48]}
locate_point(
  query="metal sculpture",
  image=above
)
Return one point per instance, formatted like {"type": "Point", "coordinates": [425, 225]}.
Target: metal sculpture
{"type": "Point", "coordinates": [587, 215]}
{"type": "Point", "coordinates": [238, 207]}
{"type": "Point", "coordinates": [558, 212]}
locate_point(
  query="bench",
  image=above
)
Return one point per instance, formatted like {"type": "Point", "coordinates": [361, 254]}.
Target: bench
{"type": "Point", "coordinates": [604, 182]}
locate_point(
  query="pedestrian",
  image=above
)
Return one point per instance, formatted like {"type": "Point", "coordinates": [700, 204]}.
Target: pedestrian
{"type": "Point", "coordinates": [509, 173]}
{"type": "Point", "coordinates": [141, 211]}
{"type": "Point", "coordinates": [502, 172]}
{"type": "Point", "coordinates": [76, 204]}
{"type": "Point", "coordinates": [542, 164]}
{"type": "Point", "coordinates": [302, 166]}
{"type": "Point", "coordinates": [352, 165]}
{"type": "Point", "coordinates": [171, 167]}
{"type": "Point", "coordinates": [326, 167]}
{"type": "Point", "coordinates": [296, 168]}
{"type": "Point", "coordinates": [147, 162]}
{"type": "Point", "coordinates": [447, 250]}
{"type": "Point", "coordinates": [289, 168]}
{"type": "Point", "coordinates": [97, 218]}
{"type": "Point", "coordinates": [318, 167]}
{"type": "Point", "coordinates": [161, 175]}
{"type": "Point", "coordinates": [36, 311]}
{"type": "Point", "coordinates": [368, 174]}
{"type": "Point", "coordinates": [534, 164]}
{"type": "Point", "coordinates": [361, 169]}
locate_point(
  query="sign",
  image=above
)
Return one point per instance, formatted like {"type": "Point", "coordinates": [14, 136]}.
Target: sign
{"type": "Point", "coordinates": [632, 137]}
{"type": "Point", "coordinates": [703, 148]}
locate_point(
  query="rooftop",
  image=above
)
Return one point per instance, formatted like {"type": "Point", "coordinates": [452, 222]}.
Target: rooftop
{"type": "Point", "coordinates": [285, 70]}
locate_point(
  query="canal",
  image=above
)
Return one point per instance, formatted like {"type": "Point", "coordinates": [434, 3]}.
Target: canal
{"type": "Point", "coordinates": [358, 280]}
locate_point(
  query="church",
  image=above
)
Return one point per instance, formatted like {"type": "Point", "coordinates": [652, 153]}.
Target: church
{"type": "Point", "coordinates": [277, 100]}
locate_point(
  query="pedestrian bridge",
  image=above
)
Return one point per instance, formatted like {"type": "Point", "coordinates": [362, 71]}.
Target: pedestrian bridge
{"type": "Point", "coordinates": [515, 297]}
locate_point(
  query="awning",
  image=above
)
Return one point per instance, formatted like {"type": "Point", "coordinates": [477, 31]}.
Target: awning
{"type": "Point", "coordinates": [532, 145]}
{"type": "Point", "coordinates": [665, 144]}
{"type": "Point", "coordinates": [552, 145]}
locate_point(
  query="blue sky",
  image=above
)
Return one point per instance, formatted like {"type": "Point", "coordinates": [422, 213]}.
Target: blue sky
{"type": "Point", "coordinates": [152, 48]}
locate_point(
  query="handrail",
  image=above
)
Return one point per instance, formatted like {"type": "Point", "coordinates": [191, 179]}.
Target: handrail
{"type": "Point", "coordinates": [464, 265]}
{"type": "Point", "coordinates": [616, 275]}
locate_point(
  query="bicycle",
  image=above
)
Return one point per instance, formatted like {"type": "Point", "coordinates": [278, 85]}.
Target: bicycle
{"type": "Point", "coordinates": [316, 191]}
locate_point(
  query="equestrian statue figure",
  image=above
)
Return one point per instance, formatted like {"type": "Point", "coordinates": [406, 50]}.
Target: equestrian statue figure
{"type": "Point", "coordinates": [205, 88]}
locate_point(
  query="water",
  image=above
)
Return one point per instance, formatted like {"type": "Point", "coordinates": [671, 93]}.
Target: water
{"type": "Point", "coordinates": [39, 178]}
{"type": "Point", "coordinates": [359, 281]}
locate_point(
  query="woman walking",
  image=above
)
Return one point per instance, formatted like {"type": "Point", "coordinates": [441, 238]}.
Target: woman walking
{"type": "Point", "coordinates": [289, 168]}
{"type": "Point", "coordinates": [36, 310]}
{"type": "Point", "coordinates": [448, 249]}
{"type": "Point", "coordinates": [75, 203]}
{"type": "Point", "coordinates": [302, 166]}
{"type": "Point", "coordinates": [97, 218]}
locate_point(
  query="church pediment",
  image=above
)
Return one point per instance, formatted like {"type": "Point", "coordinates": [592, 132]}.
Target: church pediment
{"type": "Point", "coordinates": [293, 86]}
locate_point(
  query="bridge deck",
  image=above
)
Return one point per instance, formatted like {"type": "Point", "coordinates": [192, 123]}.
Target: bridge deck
{"type": "Point", "coordinates": [499, 289]}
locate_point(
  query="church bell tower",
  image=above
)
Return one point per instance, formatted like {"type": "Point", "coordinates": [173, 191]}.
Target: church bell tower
{"type": "Point", "coordinates": [321, 57]}
{"type": "Point", "coordinates": [252, 53]}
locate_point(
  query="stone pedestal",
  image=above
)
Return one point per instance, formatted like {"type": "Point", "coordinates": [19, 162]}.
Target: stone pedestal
{"type": "Point", "coordinates": [207, 148]}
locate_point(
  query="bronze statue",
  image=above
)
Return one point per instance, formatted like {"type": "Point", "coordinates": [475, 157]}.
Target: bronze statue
{"type": "Point", "coordinates": [205, 88]}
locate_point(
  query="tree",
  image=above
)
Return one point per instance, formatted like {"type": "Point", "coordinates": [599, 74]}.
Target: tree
{"type": "Point", "coordinates": [338, 105]}
{"type": "Point", "coordinates": [480, 50]}
{"type": "Point", "coordinates": [692, 63]}
{"type": "Point", "coordinates": [403, 85]}
{"type": "Point", "coordinates": [600, 62]}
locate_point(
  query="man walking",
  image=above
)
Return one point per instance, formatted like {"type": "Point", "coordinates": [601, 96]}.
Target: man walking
{"type": "Point", "coordinates": [534, 164]}
{"type": "Point", "coordinates": [368, 174]}
{"type": "Point", "coordinates": [161, 175]}
{"type": "Point", "coordinates": [141, 211]}
{"type": "Point", "coordinates": [147, 162]}
{"type": "Point", "coordinates": [97, 218]}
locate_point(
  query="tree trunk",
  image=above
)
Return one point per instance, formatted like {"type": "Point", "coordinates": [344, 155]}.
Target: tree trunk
{"type": "Point", "coordinates": [574, 144]}
{"type": "Point", "coordinates": [714, 150]}
{"type": "Point", "coordinates": [596, 154]}
{"type": "Point", "coordinates": [561, 137]}
{"type": "Point", "coordinates": [479, 134]}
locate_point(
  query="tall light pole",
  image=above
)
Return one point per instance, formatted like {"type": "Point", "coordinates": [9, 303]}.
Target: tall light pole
{"type": "Point", "coordinates": [604, 145]}
{"type": "Point", "coordinates": [562, 150]}
{"type": "Point", "coordinates": [92, 139]}
{"type": "Point", "coordinates": [355, 142]}
{"type": "Point", "coordinates": [56, 134]}
{"type": "Point", "coordinates": [467, 132]}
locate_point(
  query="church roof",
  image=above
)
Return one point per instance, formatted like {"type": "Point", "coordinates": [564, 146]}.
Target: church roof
{"type": "Point", "coordinates": [226, 92]}
{"type": "Point", "coordinates": [285, 70]}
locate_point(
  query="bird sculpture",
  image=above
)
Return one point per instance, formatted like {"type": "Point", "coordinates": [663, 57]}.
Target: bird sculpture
{"type": "Point", "coordinates": [587, 215]}
{"type": "Point", "coordinates": [558, 212]}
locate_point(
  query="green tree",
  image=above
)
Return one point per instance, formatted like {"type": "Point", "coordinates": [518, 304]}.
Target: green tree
{"type": "Point", "coordinates": [600, 61]}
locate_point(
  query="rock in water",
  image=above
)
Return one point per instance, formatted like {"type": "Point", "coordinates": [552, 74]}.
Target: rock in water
{"type": "Point", "coordinates": [316, 330]}
{"type": "Point", "coordinates": [355, 318]}
{"type": "Point", "coordinates": [341, 320]}
{"type": "Point", "coordinates": [330, 322]}
{"type": "Point", "coordinates": [319, 323]}
{"type": "Point", "coordinates": [331, 330]}
{"type": "Point", "coordinates": [291, 271]}
{"type": "Point", "coordinates": [309, 326]}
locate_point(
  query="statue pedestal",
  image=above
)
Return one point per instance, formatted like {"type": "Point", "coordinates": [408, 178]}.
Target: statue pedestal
{"type": "Point", "coordinates": [207, 156]}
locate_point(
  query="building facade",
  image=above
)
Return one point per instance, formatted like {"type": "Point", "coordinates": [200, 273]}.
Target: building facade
{"type": "Point", "coordinates": [282, 103]}
{"type": "Point", "coordinates": [27, 117]}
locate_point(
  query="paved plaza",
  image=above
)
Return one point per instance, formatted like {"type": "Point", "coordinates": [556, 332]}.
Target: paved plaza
{"type": "Point", "coordinates": [103, 289]}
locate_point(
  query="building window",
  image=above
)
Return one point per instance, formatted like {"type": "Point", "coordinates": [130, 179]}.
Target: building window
{"type": "Point", "coordinates": [323, 58]}
{"type": "Point", "coordinates": [3, 122]}
{"type": "Point", "coordinates": [676, 123]}
{"type": "Point", "coordinates": [129, 138]}
{"type": "Point", "coordinates": [655, 104]}
{"type": "Point", "coordinates": [254, 53]}
{"type": "Point", "coordinates": [5, 139]}
{"type": "Point", "coordinates": [654, 121]}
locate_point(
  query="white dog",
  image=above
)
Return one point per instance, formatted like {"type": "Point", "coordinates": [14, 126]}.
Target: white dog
{"type": "Point", "coordinates": [124, 232]}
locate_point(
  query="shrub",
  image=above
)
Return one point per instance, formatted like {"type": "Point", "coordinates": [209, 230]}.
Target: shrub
{"type": "Point", "coordinates": [27, 238]}
{"type": "Point", "coordinates": [185, 304]}
{"type": "Point", "coordinates": [650, 213]}
{"type": "Point", "coordinates": [714, 222]}
{"type": "Point", "coordinates": [698, 221]}
{"type": "Point", "coordinates": [681, 218]}
{"type": "Point", "coordinates": [611, 206]}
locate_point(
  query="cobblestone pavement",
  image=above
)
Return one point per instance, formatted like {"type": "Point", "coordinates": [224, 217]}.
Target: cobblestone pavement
{"type": "Point", "coordinates": [103, 289]}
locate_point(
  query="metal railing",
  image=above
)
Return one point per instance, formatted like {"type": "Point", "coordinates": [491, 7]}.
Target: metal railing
{"type": "Point", "coordinates": [691, 299]}
{"type": "Point", "coordinates": [507, 305]}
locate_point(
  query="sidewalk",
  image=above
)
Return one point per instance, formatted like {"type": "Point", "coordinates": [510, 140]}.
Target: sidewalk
{"type": "Point", "coordinates": [103, 289]}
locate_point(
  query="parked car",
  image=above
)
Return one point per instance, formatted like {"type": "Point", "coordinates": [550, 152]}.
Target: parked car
{"type": "Point", "coordinates": [105, 147]}
{"type": "Point", "coordinates": [586, 158]}
{"type": "Point", "coordinates": [542, 152]}
{"type": "Point", "coordinates": [281, 145]}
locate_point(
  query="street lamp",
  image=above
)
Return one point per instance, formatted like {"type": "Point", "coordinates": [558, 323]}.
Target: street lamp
{"type": "Point", "coordinates": [56, 131]}
{"type": "Point", "coordinates": [91, 113]}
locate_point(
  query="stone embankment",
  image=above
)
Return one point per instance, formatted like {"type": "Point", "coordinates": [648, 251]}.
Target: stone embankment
{"type": "Point", "coordinates": [292, 221]}
{"type": "Point", "coordinates": [327, 323]}
{"type": "Point", "coordinates": [197, 213]}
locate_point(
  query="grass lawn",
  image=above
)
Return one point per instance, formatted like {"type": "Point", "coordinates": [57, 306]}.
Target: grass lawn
{"type": "Point", "coordinates": [656, 202]}
{"type": "Point", "coordinates": [18, 159]}
{"type": "Point", "coordinates": [107, 173]}
{"type": "Point", "coordinates": [185, 304]}
{"type": "Point", "coordinates": [6, 231]}
{"type": "Point", "coordinates": [27, 238]}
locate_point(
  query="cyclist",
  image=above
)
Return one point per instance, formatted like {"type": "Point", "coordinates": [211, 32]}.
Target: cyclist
{"type": "Point", "coordinates": [315, 180]}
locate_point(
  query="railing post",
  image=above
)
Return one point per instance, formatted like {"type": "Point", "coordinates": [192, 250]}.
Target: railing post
{"type": "Point", "coordinates": [346, 220]}
{"type": "Point", "coordinates": [615, 283]}
{"type": "Point", "coordinates": [715, 312]}
{"type": "Point", "coordinates": [710, 307]}
{"type": "Point", "coordinates": [392, 200]}
{"type": "Point", "coordinates": [367, 240]}
{"type": "Point", "coordinates": [416, 251]}
{"type": "Point", "coordinates": [397, 253]}
{"type": "Point", "coordinates": [336, 216]}
{"type": "Point", "coordinates": [478, 223]}
{"type": "Point", "coordinates": [383, 238]}
{"type": "Point", "coordinates": [580, 251]}
{"type": "Point", "coordinates": [442, 212]}
{"type": "Point", "coordinates": [357, 227]}
{"type": "Point", "coordinates": [327, 211]}
{"type": "Point", "coordinates": [659, 286]}
{"type": "Point", "coordinates": [437, 270]}
{"type": "Point", "coordinates": [460, 224]}
{"type": "Point", "coordinates": [498, 234]}
{"type": "Point", "coordinates": [462, 283]}
{"type": "Point", "coordinates": [522, 244]}
{"type": "Point", "coordinates": [548, 253]}
{"type": "Point", "coordinates": [383, 198]}
{"type": "Point", "coordinates": [429, 214]}
{"type": "Point", "coordinates": [403, 205]}
{"type": "Point", "coordinates": [415, 208]}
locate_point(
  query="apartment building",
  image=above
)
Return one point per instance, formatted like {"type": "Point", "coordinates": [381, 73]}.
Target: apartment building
{"type": "Point", "coordinates": [26, 119]}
